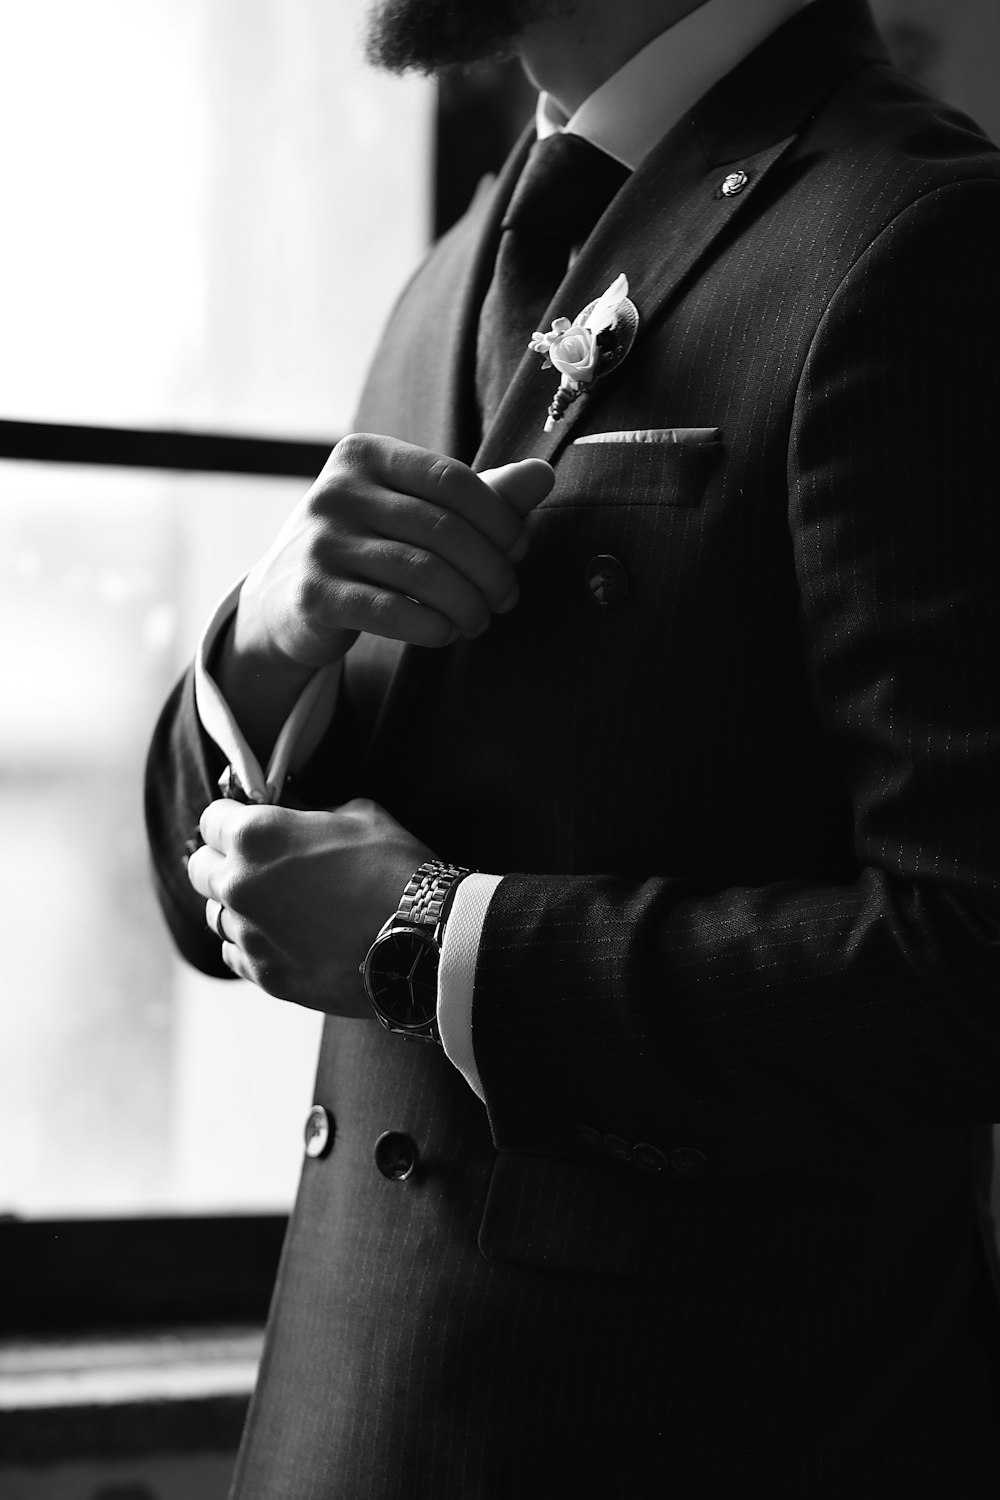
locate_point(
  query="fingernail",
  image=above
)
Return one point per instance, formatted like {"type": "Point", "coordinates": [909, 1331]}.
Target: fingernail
{"type": "Point", "coordinates": [474, 634]}
{"type": "Point", "coordinates": [510, 601]}
{"type": "Point", "coordinates": [519, 550]}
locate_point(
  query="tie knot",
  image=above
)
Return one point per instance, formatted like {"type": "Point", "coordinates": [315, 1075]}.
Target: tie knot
{"type": "Point", "coordinates": [564, 188]}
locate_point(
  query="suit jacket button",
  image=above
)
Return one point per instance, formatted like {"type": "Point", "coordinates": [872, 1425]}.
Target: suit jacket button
{"type": "Point", "coordinates": [318, 1131]}
{"type": "Point", "coordinates": [606, 579]}
{"type": "Point", "coordinates": [650, 1157]}
{"type": "Point", "coordinates": [618, 1147]}
{"type": "Point", "coordinates": [687, 1161]}
{"type": "Point", "coordinates": [396, 1155]}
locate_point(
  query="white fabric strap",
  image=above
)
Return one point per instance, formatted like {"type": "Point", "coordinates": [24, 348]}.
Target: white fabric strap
{"type": "Point", "coordinates": [299, 735]}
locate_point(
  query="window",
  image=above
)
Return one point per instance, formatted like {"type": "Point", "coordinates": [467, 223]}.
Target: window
{"type": "Point", "coordinates": [215, 207]}
{"type": "Point", "coordinates": [209, 207]}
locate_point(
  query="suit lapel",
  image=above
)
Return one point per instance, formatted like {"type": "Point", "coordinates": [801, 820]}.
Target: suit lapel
{"type": "Point", "coordinates": [441, 319]}
{"type": "Point", "coordinates": [421, 386]}
{"type": "Point", "coordinates": [458, 390]}
{"type": "Point", "coordinates": [672, 210]}
{"type": "Point", "coordinates": [660, 225]}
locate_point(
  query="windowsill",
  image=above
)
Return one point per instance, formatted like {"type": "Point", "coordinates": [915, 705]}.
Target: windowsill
{"type": "Point", "coordinates": [89, 1396]}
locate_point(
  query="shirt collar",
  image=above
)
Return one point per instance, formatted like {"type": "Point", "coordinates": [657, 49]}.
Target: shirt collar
{"type": "Point", "coordinates": [634, 108]}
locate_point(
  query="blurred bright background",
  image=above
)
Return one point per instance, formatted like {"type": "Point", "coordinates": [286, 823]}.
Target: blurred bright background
{"type": "Point", "coordinates": [210, 206]}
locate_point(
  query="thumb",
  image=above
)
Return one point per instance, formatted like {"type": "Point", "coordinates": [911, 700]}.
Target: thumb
{"type": "Point", "coordinates": [522, 484]}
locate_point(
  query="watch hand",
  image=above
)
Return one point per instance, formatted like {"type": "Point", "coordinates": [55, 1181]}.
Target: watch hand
{"type": "Point", "coordinates": [413, 970]}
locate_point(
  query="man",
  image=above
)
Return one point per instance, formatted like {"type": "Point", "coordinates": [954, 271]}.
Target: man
{"type": "Point", "coordinates": [700, 675]}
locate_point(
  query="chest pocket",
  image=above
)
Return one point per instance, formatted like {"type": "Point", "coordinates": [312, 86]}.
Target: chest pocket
{"type": "Point", "coordinates": [644, 469]}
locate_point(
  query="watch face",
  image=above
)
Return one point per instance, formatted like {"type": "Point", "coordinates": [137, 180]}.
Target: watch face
{"type": "Point", "coordinates": [401, 976]}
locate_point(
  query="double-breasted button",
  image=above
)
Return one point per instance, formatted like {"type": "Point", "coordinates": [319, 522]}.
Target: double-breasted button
{"type": "Point", "coordinates": [687, 1161]}
{"type": "Point", "coordinates": [650, 1157]}
{"type": "Point", "coordinates": [618, 1146]}
{"type": "Point", "coordinates": [606, 579]}
{"type": "Point", "coordinates": [396, 1155]}
{"type": "Point", "coordinates": [318, 1131]}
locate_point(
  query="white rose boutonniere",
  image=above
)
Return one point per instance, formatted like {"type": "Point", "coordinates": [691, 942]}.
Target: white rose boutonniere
{"type": "Point", "coordinates": [595, 343]}
{"type": "Point", "coordinates": [571, 349]}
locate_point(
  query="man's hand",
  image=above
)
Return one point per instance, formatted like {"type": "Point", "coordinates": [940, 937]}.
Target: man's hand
{"type": "Point", "coordinates": [303, 894]}
{"type": "Point", "coordinates": [391, 539]}
{"type": "Point", "coordinates": [394, 540]}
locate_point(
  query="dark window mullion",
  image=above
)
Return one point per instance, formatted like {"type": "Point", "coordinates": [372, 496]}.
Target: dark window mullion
{"type": "Point", "coordinates": [48, 442]}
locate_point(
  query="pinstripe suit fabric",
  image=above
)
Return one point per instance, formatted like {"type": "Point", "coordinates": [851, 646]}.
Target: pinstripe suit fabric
{"type": "Point", "coordinates": [755, 810]}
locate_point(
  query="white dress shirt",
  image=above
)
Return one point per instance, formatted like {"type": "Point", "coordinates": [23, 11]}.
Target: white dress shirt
{"type": "Point", "coordinates": [626, 117]}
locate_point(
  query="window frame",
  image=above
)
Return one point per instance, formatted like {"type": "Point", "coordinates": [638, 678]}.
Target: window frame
{"type": "Point", "coordinates": [76, 1275]}
{"type": "Point", "coordinates": [86, 1275]}
{"type": "Point", "coordinates": [89, 1274]}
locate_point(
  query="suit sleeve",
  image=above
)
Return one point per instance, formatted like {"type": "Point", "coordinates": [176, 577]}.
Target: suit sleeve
{"type": "Point", "coordinates": [182, 774]}
{"type": "Point", "coordinates": [761, 1024]}
{"type": "Point", "coordinates": [182, 778]}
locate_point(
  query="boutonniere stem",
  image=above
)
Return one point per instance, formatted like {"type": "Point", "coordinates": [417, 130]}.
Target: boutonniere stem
{"type": "Point", "coordinates": [591, 346]}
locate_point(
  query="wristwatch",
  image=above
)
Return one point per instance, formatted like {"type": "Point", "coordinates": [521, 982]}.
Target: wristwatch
{"type": "Point", "coordinates": [401, 967]}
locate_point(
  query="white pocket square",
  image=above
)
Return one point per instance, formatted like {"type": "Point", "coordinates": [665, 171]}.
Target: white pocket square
{"type": "Point", "coordinates": [679, 436]}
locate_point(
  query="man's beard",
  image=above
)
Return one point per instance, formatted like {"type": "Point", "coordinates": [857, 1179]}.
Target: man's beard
{"type": "Point", "coordinates": [425, 36]}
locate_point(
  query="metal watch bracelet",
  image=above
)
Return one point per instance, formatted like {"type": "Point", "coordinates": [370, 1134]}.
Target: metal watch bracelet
{"type": "Point", "coordinates": [429, 893]}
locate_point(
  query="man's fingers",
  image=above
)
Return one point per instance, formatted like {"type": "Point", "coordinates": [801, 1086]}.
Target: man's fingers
{"type": "Point", "coordinates": [387, 612]}
{"type": "Point", "coordinates": [219, 822]}
{"type": "Point", "coordinates": [421, 574]}
{"type": "Point", "coordinates": [360, 460]}
{"type": "Point", "coordinates": [523, 485]}
{"type": "Point", "coordinates": [235, 959]}
{"type": "Point", "coordinates": [213, 918]}
{"type": "Point", "coordinates": [439, 533]}
{"type": "Point", "coordinates": [205, 869]}
{"type": "Point", "coordinates": [406, 544]}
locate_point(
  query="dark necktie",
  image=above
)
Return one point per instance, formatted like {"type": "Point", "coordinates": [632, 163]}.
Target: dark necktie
{"type": "Point", "coordinates": [564, 188]}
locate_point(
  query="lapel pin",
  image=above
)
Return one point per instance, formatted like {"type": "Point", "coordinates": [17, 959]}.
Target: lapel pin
{"type": "Point", "coordinates": [594, 344]}
{"type": "Point", "coordinates": [733, 184]}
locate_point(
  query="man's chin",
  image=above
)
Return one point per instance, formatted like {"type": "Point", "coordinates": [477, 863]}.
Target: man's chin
{"type": "Point", "coordinates": [428, 36]}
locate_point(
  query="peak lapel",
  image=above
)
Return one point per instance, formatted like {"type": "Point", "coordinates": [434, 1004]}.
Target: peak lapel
{"type": "Point", "coordinates": [458, 393]}
{"type": "Point", "coordinates": [434, 404]}
{"type": "Point", "coordinates": [656, 231]}
{"type": "Point", "coordinates": [672, 209]}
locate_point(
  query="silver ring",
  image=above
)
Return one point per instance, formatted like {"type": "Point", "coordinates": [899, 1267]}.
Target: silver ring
{"type": "Point", "coordinates": [213, 918]}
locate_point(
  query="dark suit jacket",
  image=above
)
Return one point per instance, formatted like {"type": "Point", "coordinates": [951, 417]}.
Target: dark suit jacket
{"type": "Point", "coordinates": [738, 1015]}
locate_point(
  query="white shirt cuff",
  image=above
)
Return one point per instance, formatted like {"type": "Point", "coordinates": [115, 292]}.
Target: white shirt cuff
{"type": "Point", "coordinates": [298, 738]}
{"type": "Point", "coordinates": [299, 735]}
{"type": "Point", "coordinates": [457, 973]}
